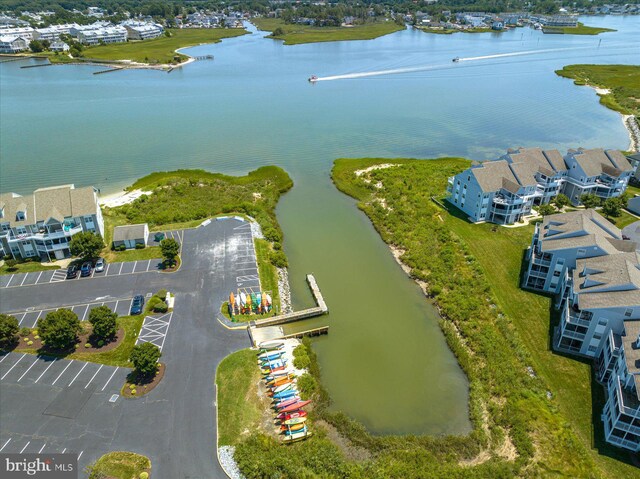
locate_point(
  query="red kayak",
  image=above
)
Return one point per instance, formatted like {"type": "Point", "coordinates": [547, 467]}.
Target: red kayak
{"type": "Point", "coordinates": [295, 406]}
{"type": "Point", "coordinates": [284, 416]}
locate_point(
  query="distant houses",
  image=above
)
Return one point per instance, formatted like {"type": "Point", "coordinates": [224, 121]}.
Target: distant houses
{"type": "Point", "coordinates": [595, 274]}
{"type": "Point", "coordinates": [504, 191]}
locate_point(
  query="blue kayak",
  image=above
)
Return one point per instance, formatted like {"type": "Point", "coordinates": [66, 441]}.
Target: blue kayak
{"type": "Point", "coordinates": [285, 394]}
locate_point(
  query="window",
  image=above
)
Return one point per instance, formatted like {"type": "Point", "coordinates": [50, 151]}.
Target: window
{"type": "Point", "coordinates": [21, 216]}
{"type": "Point", "coordinates": [592, 349]}
{"type": "Point", "coordinates": [582, 252]}
{"type": "Point", "coordinates": [597, 336]}
{"type": "Point", "coordinates": [5, 227]}
{"type": "Point", "coordinates": [21, 230]}
{"type": "Point", "coordinates": [602, 322]}
{"type": "Point", "coordinates": [556, 273]}
{"type": "Point", "coordinates": [628, 313]}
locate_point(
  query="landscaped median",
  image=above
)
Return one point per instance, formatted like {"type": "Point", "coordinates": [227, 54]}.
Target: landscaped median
{"type": "Point", "coordinates": [294, 34]}
{"type": "Point", "coordinates": [120, 465]}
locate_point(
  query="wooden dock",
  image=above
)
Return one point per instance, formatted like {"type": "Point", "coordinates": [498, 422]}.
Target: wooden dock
{"type": "Point", "coordinates": [269, 333]}
{"type": "Point", "coordinates": [204, 57]}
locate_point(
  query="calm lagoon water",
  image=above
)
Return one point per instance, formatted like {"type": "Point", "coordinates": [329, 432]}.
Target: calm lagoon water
{"type": "Point", "coordinates": [385, 361]}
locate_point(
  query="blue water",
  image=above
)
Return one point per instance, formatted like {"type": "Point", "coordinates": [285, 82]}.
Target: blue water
{"type": "Point", "coordinates": [253, 106]}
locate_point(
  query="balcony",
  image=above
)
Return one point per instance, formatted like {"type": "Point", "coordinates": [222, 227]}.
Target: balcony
{"type": "Point", "coordinates": [580, 319]}
{"type": "Point", "coordinates": [628, 401]}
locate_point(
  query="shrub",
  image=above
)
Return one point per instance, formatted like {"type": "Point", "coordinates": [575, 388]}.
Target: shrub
{"type": "Point", "coordinates": [161, 307]}
{"type": "Point", "coordinates": [144, 475]}
{"type": "Point", "coordinates": [121, 248]}
{"type": "Point", "coordinates": [162, 294]}
{"type": "Point", "coordinates": [8, 329]}
{"type": "Point", "coordinates": [140, 246]}
{"type": "Point", "coordinates": [11, 264]}
{"type": "Point", "coordinates": [301, 357]}
{"type": "Point", "coordinates": [103, 321]}
{"type": "Point", "coordinates": [134, 392]}
{"type": "Point", "coordinates": [100, 343]}
{"type": "Point", "coordinates": [145, 358]}
{"type": "Point", "coordinates": [87, 345]}
{"type": "Point", "coordinates": [60, 328]}
{"type": "Point", "coordinates": [36, 337]}
{"type": "Point", "coordinates": [307, 385]}
{"type": "Point", "coordinates": [278, 259]}
{"type": "Point", "coordinates": [25, 331]}
{"type": "Point", "coordinates": [30, 343]}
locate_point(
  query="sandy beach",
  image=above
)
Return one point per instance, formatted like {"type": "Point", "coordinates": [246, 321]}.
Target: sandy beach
{"type": "Point", "coordinates": [122, 198]}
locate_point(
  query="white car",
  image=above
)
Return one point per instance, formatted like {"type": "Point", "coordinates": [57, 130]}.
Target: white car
{"type": "Point", "coordinates": [100, 265]}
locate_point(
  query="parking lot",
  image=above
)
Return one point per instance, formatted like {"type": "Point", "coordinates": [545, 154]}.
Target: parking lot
{"type": "Point", "coordinates": [58, 275]}
{"type": "Point", "coordinates": [177, 235]}
{"type": "Point", "coordinates": [30, 318]}
{"type": "Point", "coordinates": [247, 279]}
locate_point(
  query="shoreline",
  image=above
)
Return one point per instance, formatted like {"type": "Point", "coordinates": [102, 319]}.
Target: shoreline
{"type": "Point", "coordinates": [629, 121]}
{"type": "Point", "coordinates": [121, 198]}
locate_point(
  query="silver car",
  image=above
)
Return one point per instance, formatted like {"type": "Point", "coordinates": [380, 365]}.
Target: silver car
{"type": "Point", "coordinates": [100, 265]}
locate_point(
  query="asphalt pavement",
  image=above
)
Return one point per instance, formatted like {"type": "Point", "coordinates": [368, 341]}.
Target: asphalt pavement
{"type": "Point", "coordinates": [175, 424]}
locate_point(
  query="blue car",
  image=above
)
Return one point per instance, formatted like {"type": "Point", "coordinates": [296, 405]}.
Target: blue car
{"type": "Point", "coordinates": [86, 269]}
{"type": "Point", "coordinates": [137, 305]}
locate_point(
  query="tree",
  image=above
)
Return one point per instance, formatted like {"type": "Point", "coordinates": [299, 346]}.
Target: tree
{"type": "Point", "coordinates": [145, 359]}
{"type": "Point", "coordinates": [59, 329]}
{"type": "Point", "coordinates": [590, 201]}
{"type": "Point", "coordinates": [170, 249]}
{"type": "Point", "coordinates": [103, 321]}
{"type": "Point", "coordinates": [561, 201]}
{"type": "Point", "coordinates": [8, 329]}
{"type": "Point", "coordinates": [11, 264]}
{"type": "Point", "coordinates": [36, 46]}
{"type": "Point", "coordinates": [546, 210]}
{"type": "Point", "coordinates": [86, 245]}
{"type": "Point", "coordinates": [612, 207]}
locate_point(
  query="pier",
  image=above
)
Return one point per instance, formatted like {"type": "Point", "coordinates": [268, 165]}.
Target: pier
{"type": "Point", "coordinates": [204, 57]}
{"type": "Point", "coordinates": [268, 329]}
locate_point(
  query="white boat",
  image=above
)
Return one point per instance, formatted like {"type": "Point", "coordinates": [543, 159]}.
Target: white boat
{"type": "Point", "coordinates": [283, 387]}
{"type": "Point", "coordinates": [243, 298]}
{"type": "Point", "coordinates": [267, 296]}
{"type": "Point", "coordinates": [456, 59]}
{"type": "Point", "coordinates": [237, 301]}
{"type": "Point", "coordinates": [313, 79]}
{"type": "Point", "coordinates": [271, 344]}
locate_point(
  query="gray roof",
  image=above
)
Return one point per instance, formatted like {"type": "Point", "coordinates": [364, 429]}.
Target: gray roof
{"type": "Point", "coordinates": [491, 173]}
{"type": "Point", "coordinates": [55, 202]}
{"type": "Point", "coordinates": [547, 159]}
{"type": "Point", "coordinates": [130, 232]}
{"type": "Point", "coordinates": [582, 229]}
{"type": "Point", "coordinates": [597, 161]}
{"type": "Point", "coordinates": [604, 273]}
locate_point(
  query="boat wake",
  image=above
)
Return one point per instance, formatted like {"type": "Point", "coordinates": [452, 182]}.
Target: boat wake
{"type": "Point", "coordinates": [457, 60]}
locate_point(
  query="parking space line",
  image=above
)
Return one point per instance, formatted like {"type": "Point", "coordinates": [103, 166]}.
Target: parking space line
{"type": "Point", "coordinates": [14, 365]}
{"type": "Point", "coordinates": [42, 448]}
{"type": "Point", "coordinates": [24, 279]}
{"type": "Point", "coordinates": [134, 267]}
{"type": "Point", "coordinates": [28, 369]}
{"type": "Point", "coordinates": [62, 373]}
{"type": "Point", "coordinates": [22, 318]}
{"type": "Point", "coordinates": [40, 377]}
{"type": "Point", "coordinates": [38, 278]}
{"type": "Point", "coordinates": [148, 265]}
{"type": "Point", "coordinates": [94, 375]}
{"type": "Point", "coordinates": [5, 444]}
{"type": "Point", "coordinates": [25, 446]}
{"type": "Point", "coordinates": [110, 377]}
{"type": "Point", "coordinates": [85, 312]}
{"type": "Point", "coordinates": [80, 455]}
{"type": "Point", "coordinates": [5, 357]}
{"type": "Point", "coordinates": [120, 270]}
{"type": "Point", "coordinates": [63, 450]}
{"type": "Point", "coordinates": [76, 376]}
{"type": "Point", "coordinates": [107, 271]}
{"type": "Point", "coordinates": [115, 308]}
{"type": "Point", "coordinates": [37, 318]}
{"type": "Point", "coordinates": [9, 282]}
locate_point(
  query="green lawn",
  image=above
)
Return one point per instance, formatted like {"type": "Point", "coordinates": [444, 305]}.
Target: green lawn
{"type": "Point", "coordinates": [26, 267]}
{"type": "Point", "coordinates": [150, 252]}
{"type": "Point", "coordinates": [581, 29]}
{"type": "Point", "coordinates": [160, 50]}
{"type": "Point", "coordinates": [622, 80]}
{"type": "Point", "coordinates": [119, 465]}
{"type": "Point", "coordinates": [296, 34]}
{"type": "Point", "coordinates": [268, 273]}
{"type": "Point", "coordinates": [625, 219]}
{"type": "Point", "coordinates": [238, 410]}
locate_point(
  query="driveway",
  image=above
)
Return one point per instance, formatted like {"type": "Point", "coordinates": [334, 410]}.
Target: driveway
{"type": "Point", "coordinates": [175, 424]}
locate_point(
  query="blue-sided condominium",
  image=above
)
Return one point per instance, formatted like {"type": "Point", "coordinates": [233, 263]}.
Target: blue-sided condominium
{"type": "Point", "coordinates": [595, 274]}
{"type": "Point", "coordinates": [41, 225]}
{"type": "Point", "coordinates": [504, 191]}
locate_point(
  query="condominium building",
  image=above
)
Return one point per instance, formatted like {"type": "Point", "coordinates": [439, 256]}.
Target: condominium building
{"type": "Point", "coordinates": [53, 32]}
{"type": "Point", "coordinates": [561, 240]}
{"type": "Point", "coordinates": [503, 191]}
{"type": "Point", "coordinates": [23, 32]}
{"type": "Point", "coordinates": [12, 44]}
{"type": "Point", "coordinates": [602, 173]}
{"type": "Point", "coordinates": [42, 224]}
{"type": "Point", "coordinates": [142, 30]}
{"type": "Point", "coordinates": [115, 34]}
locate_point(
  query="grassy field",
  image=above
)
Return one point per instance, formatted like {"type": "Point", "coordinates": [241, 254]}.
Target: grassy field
{"type": "Point", "coordinates": [119, 465]}
{"type": "Point", "coordinates": [26, 267]}
{"type": "Point", "coordinates": [150, 252]}
{"type": "Point", "coordinates": [296, 34]}
{"type": "Point", "coordinates": [268, 273]}
{"type": "Point", "coordinates": [161, 50]}
{"type": "Point", "coordinates": [625, 219]}
{"type": "Point", "coordinates": [238, 410]}
{"type": "Point", "coordinates": [565, 431]}
{"type": "Point", "coordinates": [581, 29]}
{"type": "Point", "coordinates": [622, 80]}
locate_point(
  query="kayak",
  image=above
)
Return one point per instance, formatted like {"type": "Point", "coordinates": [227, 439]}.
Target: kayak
{"type": "Point", "coordinates": [249, 301]}
{"type": "Point", "coordinates": [294, 407]}
{"type": "Point", "coordinates": [279, 382]}
{"type": "Point", "coordinates": [292, 428]}
{"type": "Point", "coordinates": [243, 298]}
{"type": "Point", "coordinates": [285, 416]}
{"type": "Point", "coordinates": [273, 364]}
{"type": "Point", "coordinates": [297, 436]}
{"type": "Point", "coordinates": [282, 387]}
{"type": "Point", "coordinates": [295, 420]}
{"type": "Point", "coordinates": [268, 298]}
{"type": "Point", "coordinates": [279, 376]}
{"type": "Point", "coordinates": [232, 299]}
{"type": "Point", "coordinates": [270, 355]}
{"type": "Point", "coordinates": [289, 432]}
{"type": "Point", "coordinates": [271, 344]}
{"type": "Point", "coordinates": [287, 402]}
{"type": "Point", "coordinates": [285, 394]}
{"type": "Point", "coordinates": [266, 371]}
{"type": "Point", "coordinates": [238, 302]}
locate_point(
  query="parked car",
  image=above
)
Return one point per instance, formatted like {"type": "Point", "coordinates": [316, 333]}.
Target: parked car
{"type": "Point", "coordinates": [72, 271]}
{"type": "Point", "coordinates": [137, 304]}
{"type": "Point", "coordinates": [100, 265]}
{"type": "Point", "coordinates": [86, 269]}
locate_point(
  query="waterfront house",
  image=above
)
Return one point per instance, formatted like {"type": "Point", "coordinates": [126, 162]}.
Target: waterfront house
{"type": "Point", "coordinates": [13, 44]}
{"type": "Point", "coordinates": [114, 34]}
{"type": "Point", "coordinates": [41, 225]}
{"type": "Point", "coordinates": [603, 173]}
{"type": "Point", "coordinates": [142, 30]}
{"type": "Point", "coordinates": [59, 46]}
{"type": "Point", "coordinates": [561, 240]}
{"type": "Point", "coordinates": [503, 191]}
{"type": "Point", "coordinates": [130, 235]}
